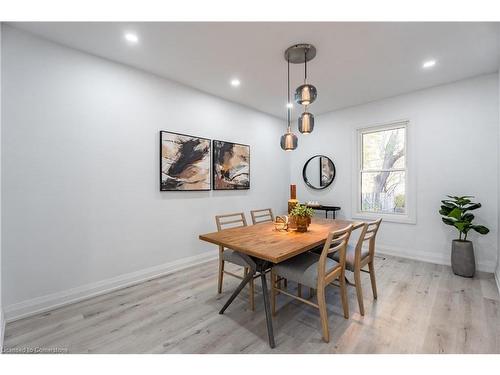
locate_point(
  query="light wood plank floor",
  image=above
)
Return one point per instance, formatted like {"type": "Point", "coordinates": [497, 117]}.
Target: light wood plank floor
{"type": "Point", "coordinates": [422, 308]}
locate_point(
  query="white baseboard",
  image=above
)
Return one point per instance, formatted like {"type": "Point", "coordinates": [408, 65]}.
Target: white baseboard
{"type": "Point", "coordinates": [51, 301]}
{"type": "Point", "coordinates": [2, 329]}
{"type": "Point", "coordinates": [497, 278]}
{"type": "Point", "coordinates": [429, 257]}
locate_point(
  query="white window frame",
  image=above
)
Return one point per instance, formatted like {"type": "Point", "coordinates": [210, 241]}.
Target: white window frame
{"type": "Point", "coordinates": [409, 217]}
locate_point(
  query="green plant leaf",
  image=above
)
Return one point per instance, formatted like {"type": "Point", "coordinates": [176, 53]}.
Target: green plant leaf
{"type": "Point", "coordinates": [460, 225]}
{"type": "Point", "coordinates": [468, 217]}
{"type": "Point", "coordinates": [460, 197]}
{"type": "Point", "coordinates": [450, 205]}
{"type": "Point", "coordinates": [445, 210]}
{"type": "Point", "coordinates": [456, 213]}
{"type": "Point", "coordinates": [302, 211]}
{"type": "Point", "coordinates": [448, 221]}
{"type": "Point", "coordinates": [481, 229]}
{"type": "Point", "coordinates": [472, 206]}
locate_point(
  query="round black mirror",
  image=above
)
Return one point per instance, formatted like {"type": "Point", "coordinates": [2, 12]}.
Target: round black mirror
{"type": "Point", "coordinates": [319, 172]}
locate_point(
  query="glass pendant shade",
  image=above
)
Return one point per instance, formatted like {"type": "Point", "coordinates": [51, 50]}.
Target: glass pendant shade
{"type": "Point", "coordinates": [289, 141]}
{"type": "Point", "coordinates": [306, 123]}
{"type": "Point", "coordinates": [305, 94]}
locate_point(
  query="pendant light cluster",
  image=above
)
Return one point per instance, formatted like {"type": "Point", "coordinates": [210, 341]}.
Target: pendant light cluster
{"type": "Point", "coordinates": [305, 94]}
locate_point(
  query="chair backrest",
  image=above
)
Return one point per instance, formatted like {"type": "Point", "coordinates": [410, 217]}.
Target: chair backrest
{"type": "Point", "coordinates": [262, 216]}
{"type": "Point", "coordinates": [368, 233]}
{"type": "Point", "coordinates": [230, 221]}
{"type": "Point", "coordinates": [336, 241]}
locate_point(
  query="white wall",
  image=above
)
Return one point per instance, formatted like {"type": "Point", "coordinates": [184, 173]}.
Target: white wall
{"type": "Point", "coordinates": [455, 131]}
{"type": "Point", "coordinates": [2, 320]}
{"type": "Point", "coordinates": [497, 273]}
{"type": "Point", "coordinates": [81, 199]}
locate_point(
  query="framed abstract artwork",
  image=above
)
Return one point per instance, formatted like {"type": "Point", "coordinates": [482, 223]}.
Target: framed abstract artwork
{"type": "Point", "coordinates": [184, 162]}
{"type": "Point", "coordinates": [231, 166]}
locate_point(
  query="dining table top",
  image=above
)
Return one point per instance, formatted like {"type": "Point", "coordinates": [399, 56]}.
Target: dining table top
{"type": "Point", "coordinates": [264, 242]}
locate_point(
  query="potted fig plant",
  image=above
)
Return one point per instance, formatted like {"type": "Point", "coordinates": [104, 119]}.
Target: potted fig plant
{"type": "Point", "coordinates": [302, 216]}
{"type": "Point", "coordinates": [456, 212]}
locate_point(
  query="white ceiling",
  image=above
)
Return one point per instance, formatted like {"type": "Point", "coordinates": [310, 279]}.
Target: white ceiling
{"type": "Point", "coordinates": [355, 63]}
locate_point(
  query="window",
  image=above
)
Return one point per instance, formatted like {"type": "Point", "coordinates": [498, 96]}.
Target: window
{"type": "Point", "coordinates": [382, 172]}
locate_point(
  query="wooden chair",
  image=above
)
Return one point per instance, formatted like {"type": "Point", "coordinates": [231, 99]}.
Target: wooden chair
{"type": "Point", "coordinates": [262, 216]}
{"type": "Point", "coordinates": [316, 271]}
{"type": "Point", "coordinates": [357, 257]}
{"type": "Point", "coordinates": [227, 255]}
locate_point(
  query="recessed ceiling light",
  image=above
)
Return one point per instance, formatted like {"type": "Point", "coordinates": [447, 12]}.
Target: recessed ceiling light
{"type": "Point", "coordinates": [131, 38]}
{"type": "Point", "coordinates": [289, 105]}
{"type": "Point", "coordinates": [235, 82]}
{"type": "Point", "coordinates": [428, 64]}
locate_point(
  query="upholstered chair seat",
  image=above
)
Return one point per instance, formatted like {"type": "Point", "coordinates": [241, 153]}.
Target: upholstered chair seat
{"type": "Point", "coordinates": [234, 257]}
{"type": "Point", "coordinates": [304, 268]}
{"type": "Point", "coordinates": [350, 256]}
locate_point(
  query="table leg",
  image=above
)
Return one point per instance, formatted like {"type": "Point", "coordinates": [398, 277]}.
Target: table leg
{"type": "Point", "coordinates": [326, 214]}
{"type": "Point", "coordinates": [240, 287]}
{"type": "Point", "coordinates": [334, 214]}
{"type": "Point", "coordinates": [261, 266]}
{"type": "Point", "coordinates": [267, 307]}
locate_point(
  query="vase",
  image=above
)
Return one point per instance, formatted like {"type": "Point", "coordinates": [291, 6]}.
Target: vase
{"type": "Point", "coordinates": [302, 223]}
{"type": "Point", "coordinates": [463, 262]}
{"type": "Point", "coordinates": [292, 202]}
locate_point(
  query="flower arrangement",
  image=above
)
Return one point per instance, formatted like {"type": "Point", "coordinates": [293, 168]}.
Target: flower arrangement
{"type": "Point", "coordinates": [302, 216]}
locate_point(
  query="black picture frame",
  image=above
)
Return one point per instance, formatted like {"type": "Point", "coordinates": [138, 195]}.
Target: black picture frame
{"type": "Point", "coordinates": [214, 167]}
{"type": "Point", "coordinates": [162, 187]}
{"type": "Point", "coordinates": [306, 180]}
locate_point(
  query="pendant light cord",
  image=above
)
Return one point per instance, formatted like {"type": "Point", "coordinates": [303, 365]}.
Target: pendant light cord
{"type": "Point", "coordinates": [305, 72]}
{"type": "Point", "coordinates": [305, 65]}
{"type": "Point", "coordinates": [288, 93]}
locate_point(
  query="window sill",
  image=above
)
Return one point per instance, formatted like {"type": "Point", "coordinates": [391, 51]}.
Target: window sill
{"type": "Point", "coordinates": [402, 219]}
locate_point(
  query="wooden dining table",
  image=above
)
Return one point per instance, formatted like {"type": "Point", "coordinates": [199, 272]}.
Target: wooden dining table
{"type": "Point", "coordinates": [262, 247]}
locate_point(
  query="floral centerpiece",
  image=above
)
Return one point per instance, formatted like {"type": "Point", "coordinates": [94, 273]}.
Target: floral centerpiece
{"type": "Point", "coordinates": [302, 216]}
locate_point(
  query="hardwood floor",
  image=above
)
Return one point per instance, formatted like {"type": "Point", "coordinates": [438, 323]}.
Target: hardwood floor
{"type": "Point", "coordinates": [421, 308]}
